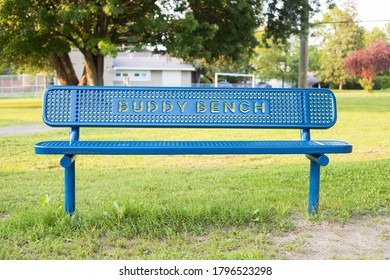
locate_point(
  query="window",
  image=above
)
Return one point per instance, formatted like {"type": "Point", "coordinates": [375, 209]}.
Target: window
{"type": "Point", "coordinates": [138, 76]}
{"type": "Point", "coordinates": [133, 76]}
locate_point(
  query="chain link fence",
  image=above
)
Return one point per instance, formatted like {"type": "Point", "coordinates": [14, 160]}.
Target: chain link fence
{"type": "Point", "coordinates": [23, 85]}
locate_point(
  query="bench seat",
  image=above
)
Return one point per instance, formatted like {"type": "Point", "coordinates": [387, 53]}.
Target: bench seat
{"type": "Point", "coordinates": [191, 147]}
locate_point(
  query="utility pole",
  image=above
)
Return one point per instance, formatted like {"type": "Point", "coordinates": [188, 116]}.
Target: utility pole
{"type": "Point", "coordinates": [304, 47]}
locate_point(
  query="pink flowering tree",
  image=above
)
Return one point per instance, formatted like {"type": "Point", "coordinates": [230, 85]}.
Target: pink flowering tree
{"type": "Point", "coordinates": [365, 64]}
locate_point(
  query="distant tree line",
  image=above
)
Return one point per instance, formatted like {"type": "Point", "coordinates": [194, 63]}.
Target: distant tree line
{"type": "Point", "coordinates": [255, 36]}
{"type": "Point", "coordinates": [335, 57]}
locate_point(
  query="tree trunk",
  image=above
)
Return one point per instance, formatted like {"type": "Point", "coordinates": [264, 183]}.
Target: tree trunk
{"type": "Point", "coordinates": [100, 68]}
{"type": "Point", "coordinates": [90, 69]}
{"type": "Point", "coordinates": [340, 86]}
{"type": "Point", "coordinates": [60, 71]}
{"type": "Point", "coordinates": [197, 75]}
{"type": "Point", "coordinates": [69, 69]}
{"type": "Point", "coordinates": [83, 78]}
{"type": "Point", "coordinates": [92, 73]}
{"type": "Point", "coordinates": [64, 69]}
{"type": "Point", "coordinates": [94, 68]}
{"type": "Point", "coordinates": [103, 28]}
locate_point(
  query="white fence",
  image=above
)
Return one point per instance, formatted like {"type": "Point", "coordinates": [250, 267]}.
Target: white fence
{"type": "Point", "coordinates": [22, 85]}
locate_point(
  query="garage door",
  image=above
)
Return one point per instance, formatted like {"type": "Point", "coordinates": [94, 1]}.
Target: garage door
{"type": "Point", "coordinates": [171, 78]}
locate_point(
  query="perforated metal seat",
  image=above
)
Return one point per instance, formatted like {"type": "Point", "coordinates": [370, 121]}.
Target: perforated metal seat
{"type": "Point", "coordinates": [191, 147]}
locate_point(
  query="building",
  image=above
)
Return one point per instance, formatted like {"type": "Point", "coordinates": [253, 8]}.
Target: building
{"type": "Point", "coordinates": [140, 69]}
{"type": "Point", "coordinates": [147, 69]}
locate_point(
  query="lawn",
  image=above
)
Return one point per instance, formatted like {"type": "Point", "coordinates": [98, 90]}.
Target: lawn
{"type": "Point", "coordinates": [185, 207]}
{"type": "Point", "coordinates": [18, 111]}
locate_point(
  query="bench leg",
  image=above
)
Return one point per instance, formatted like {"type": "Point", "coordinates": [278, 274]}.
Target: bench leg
{"type": "Point", "coordinates": [314, 187]}
{"type": "Point", "coordinates": [68, 162]}
{"type": "Point", "coordinates": [316, 161]}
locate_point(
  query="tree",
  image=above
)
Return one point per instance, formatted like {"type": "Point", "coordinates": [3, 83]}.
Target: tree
{"type": "Point", "coordinates": [375, 34]}
{"type": "Point", "coordinates": [341, 36]}
{"type": "Point", "coordinates": [215, 36]}
{"type": "Point", "coordinates": [211, 29]}
{"type": "Point", "coordinates": [314, 59]}
{"type": "Point", "coordinates": [285, 17]}
{"type": "Point", "coordinates": [42, 32]}
{"type": "Point", "coordinates": [188, 29]}
{"type": "Point", "coordinates": [387, 31]}
{"type": "Point", "coordinates": [291, 17]}
{"type": "Point", "coordinates": [276, 60]}
{"type": "Point", "coordinates": [369, 62]}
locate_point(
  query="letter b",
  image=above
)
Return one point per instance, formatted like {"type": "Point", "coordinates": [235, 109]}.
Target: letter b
{"type": "Point", "coordinates": [122, 106]}
{"type": "Point", "coordinates": [200, 107]}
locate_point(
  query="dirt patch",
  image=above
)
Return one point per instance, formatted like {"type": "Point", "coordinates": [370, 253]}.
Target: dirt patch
{"type": "Point", "coordinates": [360, 238]}
{"type": "Point", "coordinates": [4, 216]}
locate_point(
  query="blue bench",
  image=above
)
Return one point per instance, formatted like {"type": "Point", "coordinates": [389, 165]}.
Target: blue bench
{"type": "Point", "coordinates": [301, 109]}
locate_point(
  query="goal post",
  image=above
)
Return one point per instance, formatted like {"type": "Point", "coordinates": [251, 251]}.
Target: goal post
{"type": "Point", "coordinates": [252, 76]}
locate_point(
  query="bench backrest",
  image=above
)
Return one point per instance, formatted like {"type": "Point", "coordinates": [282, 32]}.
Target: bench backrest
{"type": "Point", "coordinates": [73, 106]}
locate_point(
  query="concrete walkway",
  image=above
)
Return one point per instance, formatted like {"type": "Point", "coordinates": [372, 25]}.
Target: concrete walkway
{"type": "Point", "coordinates": [24, 129]}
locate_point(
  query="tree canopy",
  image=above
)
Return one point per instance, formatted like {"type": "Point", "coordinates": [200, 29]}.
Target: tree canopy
{"type": "Point", "coordinates": [375, 34]}
{"type": "Point", "coordinates": [211, 29]}
{"type": "Point", "coordinates": [288, 17]}
{"type": "Point", "coordinates": [214, 35]}
{"type": "Point", "coordinates": [41, 33]}
{"type": "Point", "coordinates": [276, 60]}
{"type": "Point", "coordinates": [340, 38]}
{"type": "Point", "coordinates": [366, 63]}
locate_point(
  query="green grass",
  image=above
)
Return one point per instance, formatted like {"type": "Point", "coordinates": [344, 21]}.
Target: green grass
{"type": "Point", "coordinates": [185, 207]}
{"type": "Point", "coordinates": [14, 111]}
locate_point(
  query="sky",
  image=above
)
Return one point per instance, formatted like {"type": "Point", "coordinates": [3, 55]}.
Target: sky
{"type": "Point", "coordinates": [372, 10]}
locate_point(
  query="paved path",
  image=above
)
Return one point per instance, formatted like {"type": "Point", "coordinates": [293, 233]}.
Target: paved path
{"type": "Point", "coordinates": [23, 129]}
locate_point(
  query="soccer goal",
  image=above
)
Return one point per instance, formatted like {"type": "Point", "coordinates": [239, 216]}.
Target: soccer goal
{"type": "Point", "coordinates": [217, 75]}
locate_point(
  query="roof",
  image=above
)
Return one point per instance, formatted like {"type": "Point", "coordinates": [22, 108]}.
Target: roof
{"type": "Point", "coordinates": [149, 61]}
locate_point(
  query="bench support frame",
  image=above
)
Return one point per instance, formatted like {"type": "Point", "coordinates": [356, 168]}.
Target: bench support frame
{"type": "Point", "coordinates": [70, 188]}
{"type": "Point", "coordinates": [70, 183]}
{"type": "Point", "coordinates": [69, 164]}
{"type": "Point", "coordinates": [314, 187]}
{"type": "Point", "coordinates": [316, 161]}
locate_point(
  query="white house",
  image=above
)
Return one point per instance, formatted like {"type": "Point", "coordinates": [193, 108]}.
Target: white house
{"type": "Point", "coordinates": [147, 69]}
{"type": "Point", "coordinates": [140, 69]}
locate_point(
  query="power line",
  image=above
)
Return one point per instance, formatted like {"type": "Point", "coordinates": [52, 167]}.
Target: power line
{"type": "Point", "coordinates": [351, 21]}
